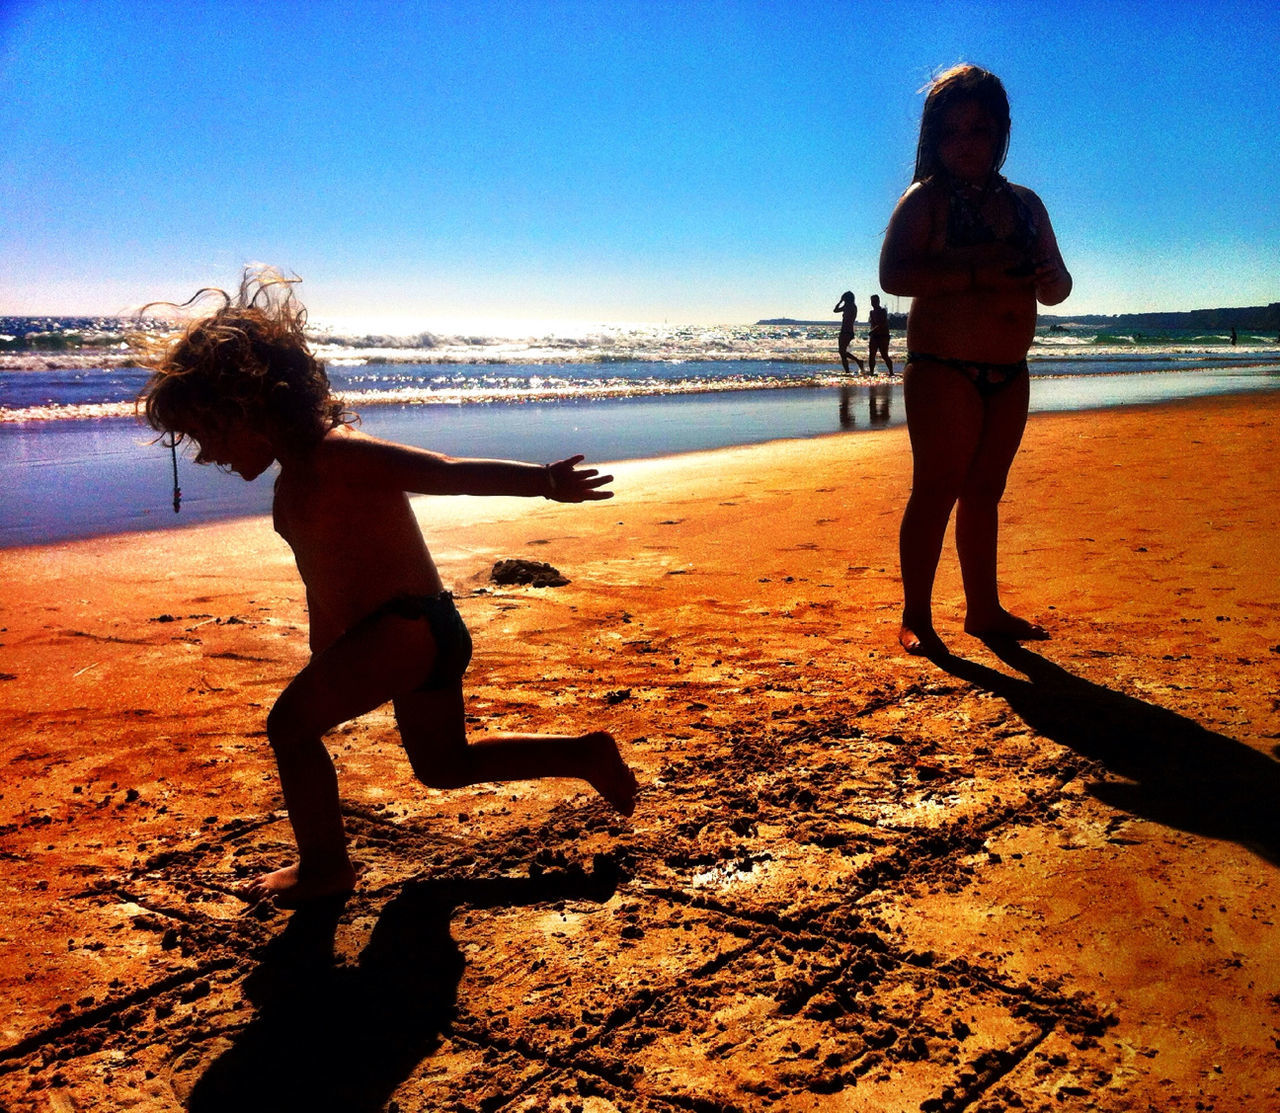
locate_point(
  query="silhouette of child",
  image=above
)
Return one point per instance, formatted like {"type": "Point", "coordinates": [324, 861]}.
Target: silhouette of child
{"type": "Point", "coordinates": [242, 384]}
{"type": "Point", "coordinates": [975, 253]}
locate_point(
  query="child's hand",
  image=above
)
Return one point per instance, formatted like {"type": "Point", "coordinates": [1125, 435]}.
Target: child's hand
{"type": "Point", "coordinates": [1053, 284]}
{"type": "Point", "coordinates": [570, 483]}
{"type": "Point", "coordinates": [997, 266]}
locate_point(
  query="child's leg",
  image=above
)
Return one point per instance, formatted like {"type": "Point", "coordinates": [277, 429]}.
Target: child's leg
{"type": "Point", "coordinates": [433, 729]}
{"type": "Point", "coordinates": [359, 672]}
{"type": "Point", "coordinates": [944, 421]}
{"type": "Point", "coordinates": [978, 514]}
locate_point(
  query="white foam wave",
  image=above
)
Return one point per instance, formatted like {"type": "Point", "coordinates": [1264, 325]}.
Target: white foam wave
{"type": "Point", "coordinates": [74, 411]}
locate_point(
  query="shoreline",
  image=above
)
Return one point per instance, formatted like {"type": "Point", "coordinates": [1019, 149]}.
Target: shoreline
{"type": "Point", "coordinates": [99, 477]}
{"type": "Point", "coordinates": [1037, 877]}
{"type": "Point", "coordinates": [1263, 402]}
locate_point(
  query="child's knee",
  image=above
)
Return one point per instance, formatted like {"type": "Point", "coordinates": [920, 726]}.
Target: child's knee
{"type": "Point", "coordinates": [983, 489]}
{"type": "Point", "coordinates": [284, 732]}
{"type": "Point", "coordinates": [939, 489]}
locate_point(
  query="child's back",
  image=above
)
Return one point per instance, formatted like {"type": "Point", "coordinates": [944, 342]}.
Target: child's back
{"type": "Point", "coordinates": [357, 542]}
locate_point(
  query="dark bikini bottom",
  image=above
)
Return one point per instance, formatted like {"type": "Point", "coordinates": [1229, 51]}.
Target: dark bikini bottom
{"type": "Point", "coordinates": [453, 640]}
{"type": "Point", "coordinates": [987, 378]}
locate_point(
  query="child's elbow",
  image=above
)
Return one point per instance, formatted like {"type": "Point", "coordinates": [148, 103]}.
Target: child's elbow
{"type": "Point", "coordinates": [895, 275]}
{"type": "Point", "coordinates": [1057, 294]}
{"type": "Point", "coordinates": [893, 282]}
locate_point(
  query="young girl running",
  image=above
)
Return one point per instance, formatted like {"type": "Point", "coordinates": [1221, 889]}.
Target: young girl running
{"type": "Point", "coordinates": [975, 253]}
{"type": "Point", "coordinates": [242, 383]}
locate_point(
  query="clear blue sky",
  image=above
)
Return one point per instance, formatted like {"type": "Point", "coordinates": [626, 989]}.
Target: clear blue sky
{"type": "Point", "coordinates": [706, 161]}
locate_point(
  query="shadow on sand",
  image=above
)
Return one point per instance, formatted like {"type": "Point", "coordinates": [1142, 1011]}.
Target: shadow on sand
{"type": "Point", "coordinates": [1180, 774]}
{"type": "Point", "coordinates": [328, 1037]}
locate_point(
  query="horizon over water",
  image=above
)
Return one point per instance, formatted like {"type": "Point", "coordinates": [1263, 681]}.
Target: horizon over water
{"type": "Point", "coordinates": [74, 462]}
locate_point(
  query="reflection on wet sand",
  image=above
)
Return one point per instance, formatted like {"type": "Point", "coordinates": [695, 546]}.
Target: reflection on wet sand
{"type": "Point", "coordinates": [879, 409]}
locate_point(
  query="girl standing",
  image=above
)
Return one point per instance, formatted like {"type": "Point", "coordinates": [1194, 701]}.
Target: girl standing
{"type": "Point", "coordinates": [975, 253]}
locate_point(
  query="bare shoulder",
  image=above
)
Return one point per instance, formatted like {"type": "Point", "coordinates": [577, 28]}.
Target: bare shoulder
{"type": "Point", "coordinates": [918, 211]}
{"type": "Point", "coordinates": [1029, 197]}
{"type": "Point", "coordinates": [329, 456]}
{"type": "Point", "coordinates": [920, 195]}
{"type": "Point", "coordinates": [342, 445]}
{"type": "Point", "coordinates": [341, 438]}
{"type": "Point", "coordinates": [344, 453]}
{"type": "Point", "coordinates": [347, 455]}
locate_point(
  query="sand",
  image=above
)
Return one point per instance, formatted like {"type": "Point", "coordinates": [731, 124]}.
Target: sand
{"type": "Point", "coordinates": [856, 880]}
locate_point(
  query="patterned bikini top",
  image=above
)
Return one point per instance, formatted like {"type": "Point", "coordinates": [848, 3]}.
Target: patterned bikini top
{"type": "Point", "coordinates": [966, 227]}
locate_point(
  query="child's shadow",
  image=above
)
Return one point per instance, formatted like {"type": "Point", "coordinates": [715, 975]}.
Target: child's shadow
{"type": "Point", "coordinates": [329, 1037]}
{"type": "Point", "coordinates": [1182, 775]}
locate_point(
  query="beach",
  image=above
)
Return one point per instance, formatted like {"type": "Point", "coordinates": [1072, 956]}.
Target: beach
{"type": "Point", "coordinates": [1016, 878]}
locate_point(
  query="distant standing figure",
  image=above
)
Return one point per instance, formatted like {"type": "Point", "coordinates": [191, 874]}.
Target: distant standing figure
{"type": "Point", "coordinates": [1233, 338]}
{"type": "Point", "coordinates": [974, 253]}
{"type": "Point", "coordinates": [879, 342]}
{"type": "Point", "coordinates": [849, 308]}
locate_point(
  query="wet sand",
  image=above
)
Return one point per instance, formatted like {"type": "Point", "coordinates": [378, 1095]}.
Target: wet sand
{"type": "Point", "coordinates": [1040, 878]}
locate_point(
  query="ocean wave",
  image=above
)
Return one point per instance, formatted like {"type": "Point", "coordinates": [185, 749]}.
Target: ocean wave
{"type": "Point", "coordinates": [570, 390]}
{"type": "Point", "coordinates": [534, 389]}
{"type": "Point", "coordinates": [66, 361]}
{"type": "Point", "coordinates": [429, 367]}
{"type": "Point", "coordinates": [365, 391]}
{"type": "Point", "coordinates": [812, 353]}
{"type": "Point", "coordinates": [76, 411]}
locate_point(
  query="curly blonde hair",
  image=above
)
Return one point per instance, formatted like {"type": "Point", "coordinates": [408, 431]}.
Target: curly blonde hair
{"type": "Point", "coordinates": [246, 361]}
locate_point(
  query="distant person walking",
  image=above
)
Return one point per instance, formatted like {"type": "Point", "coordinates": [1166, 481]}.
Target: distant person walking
{"type": "Point", "coordinates": [849, 308]}
{"type": "Point", "coordinates": [879, 342]}
{"type": "Point", "coordinates": [974, 253]}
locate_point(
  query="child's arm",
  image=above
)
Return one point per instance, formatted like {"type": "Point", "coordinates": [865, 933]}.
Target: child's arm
{"type": "Point", "coordinates": [360, 459]}
{"type": "Point", "coordinates": [1053, 280]}
{"type": "Point", "coordinates": [910, 265]}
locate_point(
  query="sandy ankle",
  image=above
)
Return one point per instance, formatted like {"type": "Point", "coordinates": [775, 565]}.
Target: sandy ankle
{"type": "Point", "coordinates": [291, 886]}
{"type": "Point", "coordinates": [608, 774]}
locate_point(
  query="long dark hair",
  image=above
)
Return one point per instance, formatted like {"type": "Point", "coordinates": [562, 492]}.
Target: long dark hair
{"type": "Point", "coordinates": [951, 87]}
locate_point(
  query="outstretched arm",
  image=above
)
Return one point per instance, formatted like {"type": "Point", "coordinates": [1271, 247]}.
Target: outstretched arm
{"type": "Point", "coordinates": [360, 459]}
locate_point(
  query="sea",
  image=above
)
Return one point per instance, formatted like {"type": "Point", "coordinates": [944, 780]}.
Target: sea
{"type": "Point", "coordinates": [76, 462]}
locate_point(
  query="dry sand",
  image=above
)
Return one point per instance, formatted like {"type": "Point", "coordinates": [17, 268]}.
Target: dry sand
{"type": "Point", "coordinates": [856, 880]}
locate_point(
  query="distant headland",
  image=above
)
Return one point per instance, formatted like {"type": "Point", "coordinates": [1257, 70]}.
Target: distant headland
{"type": "Point", "coordinates": [1254, 318]}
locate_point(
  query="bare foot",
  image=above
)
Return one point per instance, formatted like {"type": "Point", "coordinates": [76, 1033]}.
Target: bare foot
{"type": "Point", "coordinates": [1006, 625]}
{"type": "Point", "coordinates": [290, 887]}
{"type": "Point", "coordinates": [920, 641]}
{"type": "Point", "coordinates": [608, 774]}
